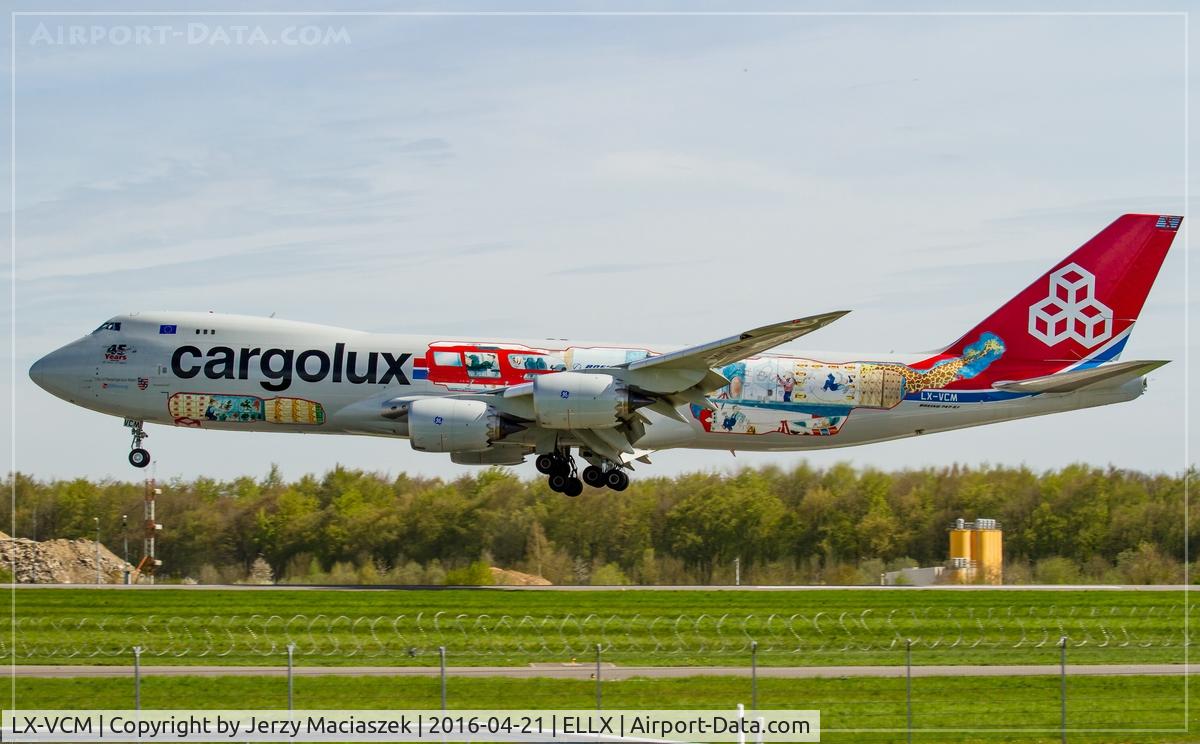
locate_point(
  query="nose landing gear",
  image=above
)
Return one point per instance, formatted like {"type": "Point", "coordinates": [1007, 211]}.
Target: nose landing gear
{"type": "Point", "coordinates": [138, 457]}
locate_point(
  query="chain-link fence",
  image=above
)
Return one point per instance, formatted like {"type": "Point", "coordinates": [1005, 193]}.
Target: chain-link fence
{"type": "Point", "coordinates": [906, 698]}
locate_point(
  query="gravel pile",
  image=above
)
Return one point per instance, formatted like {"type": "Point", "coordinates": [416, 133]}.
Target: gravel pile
{"type": "Point", "coordinates": [58, 561]}
{"type": "Point", "coordinates": [505, 577]}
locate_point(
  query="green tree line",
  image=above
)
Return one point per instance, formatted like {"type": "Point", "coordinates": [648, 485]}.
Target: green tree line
{"type": "Point", "coordinates": [805, 525]}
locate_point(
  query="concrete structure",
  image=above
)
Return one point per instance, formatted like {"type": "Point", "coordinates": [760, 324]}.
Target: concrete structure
{"type": "Point", "coordinates": [912, 577]}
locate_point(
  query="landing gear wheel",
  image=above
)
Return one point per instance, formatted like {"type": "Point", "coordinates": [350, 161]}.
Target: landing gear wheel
{"type": "Point", "coordinates": [573, 488]}
{"type": "Point", "coordinates": [558, 482]}
{"type": "Point", "coordinates": [139, 458]}
{"type": "Point", "coordinates": [616, 480]}
{"type": "Point", "coordinates": [545, 464]}
{"type": "Point", "coordinates": [593, 476]}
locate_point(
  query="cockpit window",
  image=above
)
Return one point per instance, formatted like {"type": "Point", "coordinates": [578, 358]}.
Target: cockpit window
{"type": "Point", "coordinates": [112, 325]}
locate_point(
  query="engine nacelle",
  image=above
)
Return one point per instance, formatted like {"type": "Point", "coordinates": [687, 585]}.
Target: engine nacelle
{"type": "Point", "coordinates": [577, 400]}
{"type": "Point", "coordinates": [495, 455]}
{"type": "Point", "coordinates": [451, 425]}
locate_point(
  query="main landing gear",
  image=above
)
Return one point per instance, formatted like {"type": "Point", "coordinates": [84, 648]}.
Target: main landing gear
{"type": "Point", "coordinates": [597, 477]}
{"type": "Point", "coordinates": [561, 469]}
{"type": "Point", "coordinates": [138, 457]}
{"type": "Point", "coordinates": [563, 478]}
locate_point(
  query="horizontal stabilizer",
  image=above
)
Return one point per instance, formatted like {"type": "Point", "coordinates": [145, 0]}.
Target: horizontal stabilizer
{"type": "Point", "coordinates": [1065, 382]}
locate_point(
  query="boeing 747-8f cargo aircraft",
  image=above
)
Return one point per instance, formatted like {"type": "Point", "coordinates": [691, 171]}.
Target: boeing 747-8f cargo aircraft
{"type": "Point", "coordinates": [1054, 347]}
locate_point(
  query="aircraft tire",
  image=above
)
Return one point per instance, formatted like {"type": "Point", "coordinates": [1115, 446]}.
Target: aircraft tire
{"type": "Point", "coordinates": [139, 458]}
{"type": "Point", "coordinates": [558, 482]}
{"type": "Point", "coordinates": [544, 464]}
{"type": "Point", "coordinates": [562, 466]}
{"type": "Point", "coordinates": [593, 476]}
{"type": "Point", "coordinates": [617, 480]}
{"type": "Point", "coordinates": [573, 488]}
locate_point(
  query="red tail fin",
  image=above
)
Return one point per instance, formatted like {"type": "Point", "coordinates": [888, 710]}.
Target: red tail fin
{"type": "Point", "coordinates": [1078, 314]}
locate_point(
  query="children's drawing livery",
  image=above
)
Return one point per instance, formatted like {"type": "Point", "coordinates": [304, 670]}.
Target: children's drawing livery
{"type": "Point", "coordinates": [196, 409]}
{"type": "Point", "coordinates": [781, 395]}
{"type": "Point", "coordinates": [467, 366]}
{"type": "Point", "coordinates": [1054, 347]}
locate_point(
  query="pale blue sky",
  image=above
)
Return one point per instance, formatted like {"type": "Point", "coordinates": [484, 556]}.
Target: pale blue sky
{"type": "Point", "coordinates": [658, 179]}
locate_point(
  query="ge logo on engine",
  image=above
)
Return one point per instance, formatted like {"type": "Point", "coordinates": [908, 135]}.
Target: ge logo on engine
{"type": "Point", "coordinates": [565, 394]}
{"type": "Point", "coordinates": [1071, 310]}
{"type": "Point", "coordinates": [438, 420]}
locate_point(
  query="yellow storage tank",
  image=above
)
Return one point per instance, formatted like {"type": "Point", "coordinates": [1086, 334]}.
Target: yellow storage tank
{"type": "Point", "coordinates": [976, 551]}
{"type": "Point", "coordinates": [960, 544]}
{"type": "Point", "coordinates": [987, 547]}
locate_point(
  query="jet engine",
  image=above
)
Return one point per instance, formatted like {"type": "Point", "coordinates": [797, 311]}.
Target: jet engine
{"type": "Point", "coordinates": [454, 425]}
{"type": "Point", "coordinates": [579, 400]}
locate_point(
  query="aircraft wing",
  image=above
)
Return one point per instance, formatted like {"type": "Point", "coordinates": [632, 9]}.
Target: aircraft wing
{"type": "Point", "coordinates": [664, 383]}
{"type": "Point", "coordinates": [1066, 382]}
{"type": "Point", "coordinates": [734, 348]}
{"type": "Point", "coordinates": [687, 375]}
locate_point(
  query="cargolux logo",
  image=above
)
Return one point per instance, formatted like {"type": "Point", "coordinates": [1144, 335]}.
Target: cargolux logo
{"type": "Point", "coordinates": [278, 366]}
{"type": "Point", "coordinates": [1071, 310]}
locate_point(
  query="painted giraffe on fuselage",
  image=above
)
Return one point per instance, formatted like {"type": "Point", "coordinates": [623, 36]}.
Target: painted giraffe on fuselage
{"type": "Point", "coordinates": [975, 358]}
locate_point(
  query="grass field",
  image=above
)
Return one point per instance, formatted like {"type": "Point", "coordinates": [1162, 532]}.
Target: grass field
{"type": "Point", "coordinates": [848, 706]}
{"type": "Point", "coordinates": [674, 628]}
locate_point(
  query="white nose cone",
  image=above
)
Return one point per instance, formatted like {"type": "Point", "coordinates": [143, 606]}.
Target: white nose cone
{"type": "Point", "coordinates": [37, 373]}
{"type": "Point", "coordinates": [54, 373]}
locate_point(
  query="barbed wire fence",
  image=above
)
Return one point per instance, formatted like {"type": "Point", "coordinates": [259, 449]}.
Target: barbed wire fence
{"type": "Point", "coordinates": [1154, 632]}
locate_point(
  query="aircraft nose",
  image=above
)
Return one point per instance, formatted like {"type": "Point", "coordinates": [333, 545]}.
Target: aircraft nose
{"type": "Point", "coordinates": [52, 373]}
{"type": "Point", "coordinates": [37, 372]}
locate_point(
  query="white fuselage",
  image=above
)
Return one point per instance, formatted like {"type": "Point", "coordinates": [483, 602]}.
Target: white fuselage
{"type": "Point", "coordinates": [217, 371]}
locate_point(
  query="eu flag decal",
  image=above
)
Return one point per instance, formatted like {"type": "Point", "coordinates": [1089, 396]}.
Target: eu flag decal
{"type": "Point", "coordinates": [167, 329]}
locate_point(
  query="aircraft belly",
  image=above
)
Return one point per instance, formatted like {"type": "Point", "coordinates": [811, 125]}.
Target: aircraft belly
{"type": "Point", "coordinates": [914, 417]}
{"type": "Point", "coordinates": [860, 427]}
